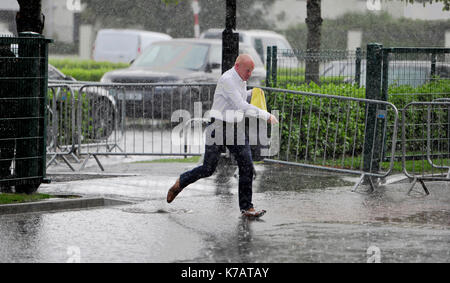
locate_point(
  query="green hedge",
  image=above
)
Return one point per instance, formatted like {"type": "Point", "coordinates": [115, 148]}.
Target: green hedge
{"type": "Point", "coordinates": [320, 118]}
{"type": "Point", "coordinates": [85, 64]}
{"type": "Point", "coordinates": [85, 70]}
{"type": "Point", "coordinates": [86, 75]}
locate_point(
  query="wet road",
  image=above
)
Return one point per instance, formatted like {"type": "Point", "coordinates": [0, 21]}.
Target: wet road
{"type": "Point", "coordinates": [312, 217]}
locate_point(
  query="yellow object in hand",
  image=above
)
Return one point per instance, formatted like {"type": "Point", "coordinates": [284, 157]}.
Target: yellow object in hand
{"type": "Point", "coordinates": [258, 98]}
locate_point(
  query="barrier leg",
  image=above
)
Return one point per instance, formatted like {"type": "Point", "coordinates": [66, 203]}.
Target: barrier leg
{"type": "Point", "coordinates": [421, 182]}
{"type": "Point", "coordinates": [96, 159]}
{"type": "Point", "coordinates": [67, 162]}
{"type": "Point", "coordinates": [363, 176]}
{"type": "Point", "coordinates": [52, 160]}
{"type": "Point", "coordinates": [99, 163]}
{"type": "Point", "coordinates": [361, 179]}
{"type": "Point", "coordinates": [424, 187]}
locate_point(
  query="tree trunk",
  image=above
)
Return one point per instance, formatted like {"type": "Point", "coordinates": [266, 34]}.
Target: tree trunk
{"type": "Point", "coordinates": [29, 17]}
{"type": "Point", "coordinates": [313, 23]}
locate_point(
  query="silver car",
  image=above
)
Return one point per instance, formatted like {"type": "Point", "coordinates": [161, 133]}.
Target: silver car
{"type": "Point", "coordinates": [179, 64]}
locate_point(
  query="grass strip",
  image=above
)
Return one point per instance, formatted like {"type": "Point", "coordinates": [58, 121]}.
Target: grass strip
{"type": "Point", "coordinates": [9, 198]}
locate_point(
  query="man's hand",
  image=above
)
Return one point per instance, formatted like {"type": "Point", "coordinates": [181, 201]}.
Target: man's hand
{"type": "Point", "coordinates": [272, 120]}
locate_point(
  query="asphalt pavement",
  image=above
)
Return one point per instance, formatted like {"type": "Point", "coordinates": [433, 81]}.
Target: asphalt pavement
{"type": "Point", "coordinates": [312, 216]}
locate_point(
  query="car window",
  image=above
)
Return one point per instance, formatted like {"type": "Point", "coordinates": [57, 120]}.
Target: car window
{"type": "Point", "coordinates": [259, 47]}
{"type": "Point", "coordinates": [282, 44]}
{"type": "Point", "coordinates": [168, 55]}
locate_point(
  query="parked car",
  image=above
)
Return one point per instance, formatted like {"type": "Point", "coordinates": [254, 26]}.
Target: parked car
{"type": "Point", "coordinates": [123, 45]}
{"type": "Point", "coordinates": [103, 108]}
{"type": "Point", "coordinates": [413, 73]}
{"type": "Point", "coordinates": [260, 39]}
{"type": "Point", "coordinates": [179, 61]}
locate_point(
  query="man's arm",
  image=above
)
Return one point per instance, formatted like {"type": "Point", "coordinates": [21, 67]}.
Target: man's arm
{"type": "Point", "coordinates": [233, 93]}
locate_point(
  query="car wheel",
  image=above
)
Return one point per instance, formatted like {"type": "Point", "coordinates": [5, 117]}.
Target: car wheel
{"type": "Point", "coordinates": [102, 119]}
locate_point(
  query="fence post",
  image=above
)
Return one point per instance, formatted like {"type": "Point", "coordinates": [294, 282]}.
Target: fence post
{"type": "Point", "coordinates": [274, 65]}
{"type": "Point", "coordinates": [358, 67]}
{"type": "Point", "coordinates": [372, 158]}
{"type": "Point", "coordinates": [268, 65]}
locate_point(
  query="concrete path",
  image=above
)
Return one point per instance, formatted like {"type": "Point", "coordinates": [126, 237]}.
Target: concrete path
{"type": "Point", "coordinates": [312, 217]}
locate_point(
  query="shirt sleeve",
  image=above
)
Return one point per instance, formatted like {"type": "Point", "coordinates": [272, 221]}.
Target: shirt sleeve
{"type": "Point", "coordinates": [249, 92]}
{"type": "Point", "coordinates": [231, 91]}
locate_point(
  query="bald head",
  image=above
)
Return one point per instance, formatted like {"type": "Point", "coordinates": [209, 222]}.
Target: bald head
{"type": "Point", "coordinates": [244, 66]}
{"type": "Point", "coordinates": [244, 59]}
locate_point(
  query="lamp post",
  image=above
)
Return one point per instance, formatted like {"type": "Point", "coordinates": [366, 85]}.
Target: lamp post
{"type": "Point", "coordinates": [230, 39]}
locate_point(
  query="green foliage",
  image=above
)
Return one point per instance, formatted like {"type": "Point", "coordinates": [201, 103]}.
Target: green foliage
{"type": "Point", "coordinates": [86, 75]}
{"type": "Point", "coordinates": [85, 70]}
{"type": "Point", "coordinates": [317, 129]}
{"type": "Point", "coordinates": [85, 64]}
{"type": "Point", "coordinates": [284, 81]}
{"type": "Point", "coordinates": [404, 94]}
{"type": "Point", "coordinates": [64, 108]}
{"type": "Point", "coordinates": [381, 28]}
{"type": "Point", "coordinates": [329, 131]}
{"type": "Point", "coordinates": [6, 198]}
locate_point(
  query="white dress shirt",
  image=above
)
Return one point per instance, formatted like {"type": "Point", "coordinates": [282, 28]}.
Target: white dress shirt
{"type": "Point", "coordinates": [230, 99]}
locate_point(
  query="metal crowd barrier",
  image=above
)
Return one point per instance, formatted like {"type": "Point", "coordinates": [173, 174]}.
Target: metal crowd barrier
{"type": "Point", "coordinates": [318, 131]}
{"type": "Point", "coordinates": [61, 123]}
{"type": "Point", "coordinates": [126, 119]}
{"type": "Point", "coordinates": [426, 141]}
{"type": "Point", "coordinates": [330, 132]}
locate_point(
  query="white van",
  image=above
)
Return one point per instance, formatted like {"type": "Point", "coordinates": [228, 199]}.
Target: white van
{"type": "Point", "coordinates": [259, 39]}
{"type": "Point", "coordinates": [123, 45]}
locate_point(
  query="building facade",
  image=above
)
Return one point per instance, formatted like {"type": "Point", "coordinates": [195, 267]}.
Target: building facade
{"type": "Point", "coordinates": [61, 18]}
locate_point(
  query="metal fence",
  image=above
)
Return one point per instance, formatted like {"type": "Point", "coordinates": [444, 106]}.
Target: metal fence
{"type": "Point", "coordinates": [317, 130]}
{"type": "Point", "coordinates": [405, 75]}
{"type": "Point", "coordinates": [126, 119]}
{"type": "Point", "coordinates": [331, 132]}
{"type": "Point", "coordinates": [287, 67]}
{"type": "Point", "coordinates": [412, 72]}
{"type": "Point", "coordinates": [62, 122]}
{"type": "Point", "coordinates": [426, 141]}
{"type": "Point", "coordinates": [23, 88]}
{"type": "Point", "coordinates": [327, 132]}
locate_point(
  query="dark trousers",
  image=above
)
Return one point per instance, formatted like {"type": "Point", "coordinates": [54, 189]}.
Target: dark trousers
{"type": "Point", "coordinates": [242, 154]}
